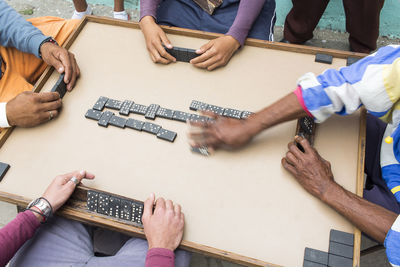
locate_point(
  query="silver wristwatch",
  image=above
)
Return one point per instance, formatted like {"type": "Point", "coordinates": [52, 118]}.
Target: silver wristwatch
{"type": "Point", "coordinates": [43, 205]}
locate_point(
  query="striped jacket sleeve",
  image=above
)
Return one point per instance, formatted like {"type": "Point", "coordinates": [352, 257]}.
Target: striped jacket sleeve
{"type": "Point", "coordinates": [392, 243]}
{"type": "Point", "coordinates": [373, 82]}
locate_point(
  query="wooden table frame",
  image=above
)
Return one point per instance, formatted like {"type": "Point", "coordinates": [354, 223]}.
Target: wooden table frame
{"type": "Point", "coordinates": [76, 207]}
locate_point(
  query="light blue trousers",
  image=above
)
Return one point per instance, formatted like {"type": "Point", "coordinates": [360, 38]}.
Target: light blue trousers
{"type": "Point", "coordinates": [63, 242]}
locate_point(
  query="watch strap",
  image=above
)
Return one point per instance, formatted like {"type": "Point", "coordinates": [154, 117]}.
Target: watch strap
{"type": "Point", "coordinates": [47, 40]}
{"type": "Point", "coordinates": [37, 212]}
{"type": "Point", "coordinates": [43, 205]}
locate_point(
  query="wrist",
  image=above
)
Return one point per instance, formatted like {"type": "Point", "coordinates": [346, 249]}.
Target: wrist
{"type": "Point", "coordinates": [147, 20]}
{"type": "Point", "coordinates": [329, 192]}
{"type": "Point", "coordinates": [9, 115]}
{"type": "Point", "coordinates": [42, 206]}
{"type": "Point", "coordinates": [254, 125]}
{"type": "Point", "coordinates": [47, 41]}
{"type": "Point", "coordinates": [38, 214]}
{"type": "Point", "coordinates": [160, 246]}
{"type": "Point", "coordinates": [234, 41]}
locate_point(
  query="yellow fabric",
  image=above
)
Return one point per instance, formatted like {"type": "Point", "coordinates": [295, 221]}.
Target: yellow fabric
{"type": "Point", "coordinates": [391, 81]}
{"type": "Point", "coordinates": [22, 70]}
{"type": "Point", "coordinates": [395, 189]}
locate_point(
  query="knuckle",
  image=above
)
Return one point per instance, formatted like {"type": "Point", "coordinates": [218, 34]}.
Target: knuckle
{"type": "Point", "coordinates": [36, 109]}
{"type": "Point", "coordinates": [34, 97]}
{"type": "Point", "coordinates": [163, 53]}
{"type": "Point", "coordinates": [145, 217]}
{"type": "Point", "coordinates": [37, 117]}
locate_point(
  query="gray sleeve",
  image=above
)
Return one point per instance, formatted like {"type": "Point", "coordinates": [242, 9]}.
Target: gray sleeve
{"type": "Point", "coordinates": [16, 32]}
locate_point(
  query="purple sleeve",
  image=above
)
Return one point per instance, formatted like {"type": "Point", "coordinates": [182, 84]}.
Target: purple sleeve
{"type": "Point", "coordinates": [160, 257]}
{"type": "Point", "coordinates": [15, 234]}
{"type": "Point", "coordinates": [148, 8]}
{"type": "Point", "coordinates": [247, 13]}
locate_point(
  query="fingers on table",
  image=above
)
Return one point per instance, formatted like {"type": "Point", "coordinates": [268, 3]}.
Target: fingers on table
{"type": "Point", "coordinates": [204, 60]}
{"type": "Point", "coordinates": [74, 74]}
{"type": "Point", "coordinates": [148, 207]}
{"type": "Point", "coordinates": [304, 143]}
{"type": "Point", "coordinates": [45, 97]}
{"type": "Point", "coordinates": [65, 59]}
{"type": "Point", "coordinates": [78, 175]}
{"type": "Point", "coordinates": [159, 54]}
{"type": "Point", "coordinates": [288, 166]}
{"type": "Point", "coordinates": [53, 105]}
{"type": "Point", "coordinates": [160, 205]}
{"type": "Point", "coordinates": [48, 105]}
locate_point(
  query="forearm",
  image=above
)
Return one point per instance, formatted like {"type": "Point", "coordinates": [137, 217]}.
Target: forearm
{"type": "Point", "coordinates": [248, 12]}
{"type": "Point", "coordinates": [148, 8]}
{"type": "Point", "coordinates": [15, 234]}
{"type": "Point", "coordinates": [370, 218]}
{"type": "Point", "coordinates": [286, 109]}
{"type": "Point", "coordinates": [16, 32]}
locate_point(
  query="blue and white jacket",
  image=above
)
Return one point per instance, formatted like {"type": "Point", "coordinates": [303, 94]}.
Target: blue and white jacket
{"type": "Point", "coordinates": [373, 82]}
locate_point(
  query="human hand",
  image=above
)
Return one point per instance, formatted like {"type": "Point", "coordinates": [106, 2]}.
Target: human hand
{"type": "Point", "coordinates": [29, 109]}
{"type": "Point", "coordinates": [309, 168]}
{"type": "Point", "coordinates": [164, 226]}
{"type": "Point", "coordinates": [216, 53]}
{"type": "Point", "coordinates": [63, 61]}
{"type": "Point", "coordinates": [155, 37]}
{"type": "Point", "coordinates": [62, 188]}
{"type": "Point", "coordinates": [222, 132]}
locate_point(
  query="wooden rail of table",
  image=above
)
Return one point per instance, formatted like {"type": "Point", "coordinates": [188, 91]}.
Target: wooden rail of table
{"type": "Point", "coordinates": [76, 209]}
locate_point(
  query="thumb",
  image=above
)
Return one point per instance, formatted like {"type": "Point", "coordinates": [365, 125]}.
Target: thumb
{"type": "Point", "coordinates": [148, 206]}
{"type": "Point", "coordinates": [56, 63]}
{"type": "Point", "coordinates": [165, 40]}
{"type": "Point", "coordinates": [205, 47]}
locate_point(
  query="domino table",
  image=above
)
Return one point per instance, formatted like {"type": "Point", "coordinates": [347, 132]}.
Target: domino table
{"type": "Point", "coordinates": [241, 206]}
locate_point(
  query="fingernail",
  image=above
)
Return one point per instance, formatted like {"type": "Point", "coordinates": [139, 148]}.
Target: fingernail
{"type": "Point", "coordinates": [82, 172]}
{"type": "Point", "coordinates": [198, 51]}
{"type": "Point", "coordinates": [60, 69]}
{"type": "Point", "coordinates": [152, 195]}
{"type": "Point", "coordinates": [169, 46]}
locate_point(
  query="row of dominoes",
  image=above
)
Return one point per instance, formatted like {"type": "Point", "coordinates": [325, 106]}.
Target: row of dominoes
{"type": "Point", "coordinates": [149, 112]}
{"type": "Point", "coordinates": [226, 112]}
{"type": "Point", "coordinates": [341, 246]}
{"type": "Point", "coordinates": [114, 206]}
{"type": "Point", "coordinates": [108, 118]}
